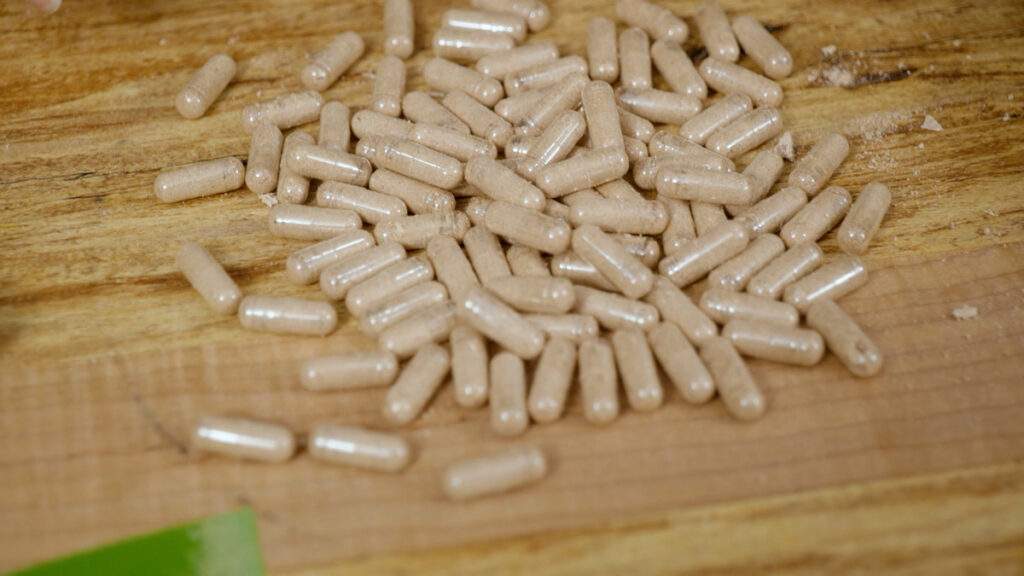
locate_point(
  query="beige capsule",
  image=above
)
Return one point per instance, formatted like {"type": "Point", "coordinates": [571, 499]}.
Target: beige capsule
{"type": "Point", "coordinates": [508, 395]}
{"type": "Point", "coordinates": [746, 132]}
{"type": "Point", "coordinates": [619, 190]}
{"type": "Point", "coordinates": [388, 87]}
{"type": "Point", "coordinates": [771, 213]}
{"type": "Point", "coordinates": [323, 163]}
{"type": "Point", "coordinates": [264, 159]}
{"type": "Point", "coordinates": [536, 12]}
{"type": "Point", "coordinates": [830, 282]}
{"type": "Point", "coordinates": [634, 126]}
{"type": "Point", "coordinates": [551, 380]}
{"type": "Point", "coordinates": [599, 381]}
{"type": "Point", "coordinates": [625, 271]}
{"type": "Point", "coordinates": [635, 149]}
{"type": "Point", "coordinates": [677, 308]}
{"type": "Point", "coordinates": [645, 172]}
{"type": "Point", "coordinates": [573, 327]}
{"type": "Point", "coordinates": [602, 51]}
{"type": "Point", "coordinates": [589, 169]}
{"type": "Point", "coordinates": [715, 31]}
{"type": "Point", "coordinates": [243, 438]}
{"type": "Point", "coordinates": [208, 278]}
{"type": "Point", "coordinates": [724, 305]}
{"type": "Point", "coordinates": [205, 86]}
{"type": "Point", "coordinates": [528, 227]}
{"type": "Point", "coordinates": [659, 22]}
{"type": "Point", "coordinates": [659, 105]}
{"type": "Point", "coordinates": [537, 294]}
{"type": "Point", "coordinates": [525, 261]}
{"type": "Point", "coordinates": [707, 186]}
{"type": "Point", "coordinates": [740, 394]}
{"type": "Point", "coordinates": [399, 28]}
{"type": "Point", "coordinates": [476, 209]}
{"type": "Point", "coordinates": [792, 265]}
{"type": "Point", "coordinates": [500, 64]}
{"type": "Point", "coordinates": [677, 69]}
{"type": "Point", "coordinates": [864, 218]}
{"type": "Point", "coordinates": [768, 341]}
{"type": "Point", "coordinates": [452, 142]}
{"type": "Point", "coordinates": [367, 123]}
{"type": "Point", "coordinates": [416, 231]}
{"type": "Point", "coordinates": [762, 172]}
{"type": "Point", "coordinates": [414, 160]}
{"type": "Point", "coordinates": [335, 126]}
{"type": "Point", "coordinates": [330, 63]}
{"type": "Point", "coordinates": [386, 282]}
{"type": "Point", "coordinates": [845, 338]}
{"type": "Point", "coordinates": [707, 216]}
{"type": "Point", "coordinates": [635, 59]}
{"type": "Point", "coordinates": [486, 21]}
{"type": "Point", "coordinates": [451, 266]}
{"type": "Point", "coordinates": [469, 367]}
{"type": "Point", "coordinates": [358, 447]}
{"type": "Point", "coordinates": [484, 251]}
{"type": "Point", "coordinates": [581, 195]}
{"type": "Point", "coordinates": [371, 206]}
{"type": "Point", "coordinates": [553, 145]}
{"type": "Point", "coordinates": [310, 222]}
{"type": "Point", "coordinates": [733, 274]}
{"type": "Point", "coordinates": [201, 179]}
{"type": "Point", "coordinates": [419, 197]}
{"type": "Point", "coordinates": [501, 323]}
{"type": "Point", "coordinates": [515, 107]}
{"type": "Point", "coordinates": [471, 45]}
{"type": "Point", "coordinates": [638, 370]}
{"type": "Point", "coordinates": [572, 266]}
{"type": "Point", "coordinates": [646, 249]}
{"type": "Point", "coordinates": [813, 170]}
{"type": "Point", "coordinates": [681, 363]}
{"type": "Point", "coordinates": [700, 256]}
{"type": "Point", "coordinates": [416, 385]}
{"type": "Point", "coordinates": [544, 74]}
{"type": "Point", "coordinates": [304, 266]}
{"type": "Point", "coordinates": [630, 216]}
{"type": "Point", "coordinates": [769, 55]}
{"type": "Point", "coordinates": [284, 112]}
{"type": "Point", "coordinates": [292, 188]}
{"type": "Point", "coordinates": [603, 125]}
{"type": "Point", "coordinates": [447, 76]}
{"type": "Point", "coordinates": [820, 215]}
{"type": "Point", "coordinates": [664, 143]}
{"type": "Point", "coordinates": [480, 119]}
{"type": "Point", "coordinates": [432, 325]}
{"type": "Point", "coordinates": [499, 183]}
{"type": "Point", "coordinates": [680, 228]}
{"type": "Point", "coordinates": [729, 78]}
{"type": "Point", "coordinates": [402, 305]}
{"type": "Point", "coordinates": [352, 370]}
{"type": "Point", "coordinates": [338, 278]}
{"type": "Point", "coordinates": [699, 128]}
{"type": "Point", "coordinates": [613, 311]}
{"type": "Point", "coordinates": [566, 96]}
{"type": "Point", "coordinates": [287, 315]}
{"type": "Point", "coordinates": [496, 473]}
{"type": "Point", "coordinates": [421, 108]}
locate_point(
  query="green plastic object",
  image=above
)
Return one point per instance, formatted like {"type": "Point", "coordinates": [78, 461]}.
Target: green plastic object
{"type": "Point", "coordinates": [224, 545]}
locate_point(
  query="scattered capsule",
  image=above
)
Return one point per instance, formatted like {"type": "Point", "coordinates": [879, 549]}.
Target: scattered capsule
{"type": "Point", "coordinates": [699, 128]}
{"type": "Point", "coordinates": [864, 218]}
{"type": "Point", "coordinates": [819, 216]}
{"type": "Point", "coordinates": [423, 109]}
{"type": "Point", "coordinates": [338, 278]}
{"type": "Point", "coordinates": [287, 315]}
{"type": "Point", "coordinates": [323, 163]}
{"type": "Point", "coordinates": [602, 124]}
{"type": "Point", "coordinates": [416, 385]}
{"type": "Point", "coordinates": [352, 370]}
{"type": "Point", "coordinates": [480, 119]}
{"type": "Point", "coordinates": [419, 197]}
{"type": "Point", "coordinates": [388, 281]}
{"type": "Point", "coordinates": [680, 228]}
{"type": "Point", "coordinates": [304, 266]}
{"type": "Point", "coordinates": [331, 62]}
{"type": "Point", "coordinates": [707, 186]}
{"type": "Point", "coordinates": [451, 266]}
{"type": "Point", "coordinates": [201, 179]}
{"type": "Point", "coordinates": [284, 112]}
{"type": "Point", "coordinates": [402, 305]}
{"type": "Point", "coordinates": [677, 69]}
{"type": "Point", "coordinates": [500, 64]}
{"type": "Point", "coordinates": [292, 188]}
{"type": "Point", "coordinates": [399, 28]}
{"type": "Point", "coordinates": [367, 123]}
{"type": "Point", "coordinates": [602, 51]}
{"type": "Point", "coordinates": [762, 172]}
{"type": "Point", "coordinates": [537, 294]}
{"type": "Point", "coordinates": [599, 381]}
{"type": "Point", "coordinates": [310, 222]}
{"type": "Point", "coordinates": [469, 367]}
{"type": "Point", "coordinates": [515, 107]}
{"type": "Point", "coordinates": [740, 394]}
{"type": "Point", "coordinates": [205, 86]}
{"type": "Point", "coordinates": [659, 22]}
{"type": "Point", "coordinates": [676, 307]}
{"type": "Point", "coordinates": [528, 227]}
{"type": "Point", "coordinates": [463, 44]}
{"type": "Point", "coordinates": [388, 87]}
{"type": "Point", "coordinates": [461, 146]}
{"type": "Point", "coordinates": [208, 278]}
{"type": "Point", "coordinates": [508, 395]}
{"type": "Point", "coordinates": [830, 282]}
{"type": "Point", "coordinates": [813, 170]}
{"type": "Point", "coordinates": [429, 326]}
{"type": "Point", "coordinates": [725, 305]}
{"type": "Point", "coordinates": [566, 96]}
{"type": "Point", "coordinates": [447, 76]}
{"type": "Point", "coordinates": [496, 473]}
{"type": "Point", "coordinates": [243, 438]}
{"type": "Point", "coordinates": [633, 216]}
{"type": "Point", "coordinates": [634, 126]}
{"type": "Point", "coordinates": [770, 214]}
{"type": "Point", "coordinates": [501, 323]}
{"type": "Point", "coordinates": [729, 78]}
{"type": "Point", "coordinates": [486, 21]}
{"type": "Point", "coordinates": [414, 160]}
{"type": "Point", "coordinates": [544, 74]}
{"type": "Point", "coordinates": [746, 132]}
{"type": "Point", "coordinates": [659, 105]}
{"type": "Point", "coordinates": [626, 272]}
{"type": "Point", "coordinates": [335, 126]}
{"type": "Point", "coordinates": [371, 206]}
{"type": "Point", "coordinates": [646, 249]}
{"type": "Point", "coordinates": [769, 55]}
{"type": "Point", "coordinates": [589, 169]}
{"type": "Point", "coordinates": [484, 251]}
{"type": "Point", "coordinates": [613, 311]}
{"type": "Point", "coordinates": [476, 209]}
{"type": "Point", "coordinates": [639, 373]}
{"type": "Point", "coordinates": [635, 149]}
{"type": "Point", "coordinates": [681, 363]}
{"type": "Point", "coordinates": [553, 145]}
{"type": "Point", "coordinates": [715, 31]}
{"type": "Point", "coordinates": [551, 380]}
{"type": "Point", "coordinates": [695, 259]}
{"type": "Point", "coordinates": [264, 159]}
{"type": "Point", "coordinates": [645, 172]}
{"type": "Point", "coordinates": [845, 338]}
{"type": "Point", "coordinates": [573, 327]}
{"type": "Point", "coordinates": [500, 183]}
{"type": "Point", "coordinates": [733, 274]}
{"type": "Point", "coordinates": [536, 12]}
{"type": "Point", "coordinates": [416, 231]}
{"type": "Point", "coordinates": [572, 266]}
{"type": "Point", "coordinates": [794, 264]}
{"type": "Point", "coordinates": [635, 59]}
{"type": "Point", "coordinates": [358, 447]}
{"type": "Point", "coordinates": [768, 341]}
{"type": "Point", "coordinates": [526, 261]}
{"type": "Point", "coordinates": [707, 216]}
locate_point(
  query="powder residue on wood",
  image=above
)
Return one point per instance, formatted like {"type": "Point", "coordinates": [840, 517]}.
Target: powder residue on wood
{"type": "Point", "coordinates": [931, 123]}
{"type": "Point", "coordinates": [965, 312]}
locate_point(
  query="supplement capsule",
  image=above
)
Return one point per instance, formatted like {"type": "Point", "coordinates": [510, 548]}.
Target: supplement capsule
{"type": "Point", "coordinates": [784, 344]}
{"type": "Point", "coordinates": [421, 108]}
{"type": "Point", "coordinates": [602, 51]}
{"type": "Point", "coordinates": [371, 206]}
{"type": "Point", "coordinates": [659, 105]}
{"type": "Point", "coordinates": [419, 380]}
{"type": "Point", "coordinates": [635, 149]}
{"type": "Point", "coordinates": [677, 308]}
{"type": "Point", "coordinates": [819, 216]}
{"type": "Point", "coordinates": [740, 394]}
{"type": "Point", "coordinates": [762, 172]}
{"type": "Point", "coordinates": [639, 373]}
{"type": "Point", "coordinates": [284, 112]}
{"type": "Point", "coordinates": [526, 261]}
{"type": "Point", "coordinates": [501, 323]}
{"type": "Point", "coordinates": [635, 59]}
{"type": "Point", "coordinates": [208, 278]}
{"type": "Point", "coordinates": [746, 132]}
{"type": "Point", "coordinates": [536, 12]}
{"type": "Point", "coordinates": [528, 227]}
{"type": "Point", "coordinates": [500, 183]}
{"type": "Point", "coordinates": [331, 62]}
{"type": "Point", "coordinates": [659, 22]}
{"type": "Point", "coordinates": [399, 28]}
{"type": "Point", "coordinates": [481, 120]}
{"type": "Point", "coordinates": [795, 263]}
{"type": "Point", "coordinates": [264, 159]}
{"type": "Point", "coordinates": [243, 438]}
{"type": "Point", "coordinates": [353, 370]}
{"type": "Point", "coordinates": [602, 115]}
{"type": "Point", "coordinates": [830, 282]}
{"type": "Point", "coordinates": [416, 231]}
{"type": "Point", "coordinates": [769, 214]}
{"type": "Point", "coordinates": [367, 123]}
{"type": "Point", "coordinates": [619, 190]}
{"type": "Point", "coordinates": [734, 273]}
{"type": "Point", "coordinates": [647, 250]}
{"type": "Point", "coordinates": [398, 307]}
{"type": "Point", "coordinates": [645, 172]}
{"type": "Point", "coordinates": [680, 228]}
{"type": "Point", "coordinates": [496, 473]}
{"type": "Point", "coordinates": [338, 278]}
{"type": "Point", "coordinates": [201, 179]}
{"type": "Point", "coordinates": [432, 325]}
{"type": "Point", "coordinates": [484, 251]}
{"type": "Point", "coordinates": [486, 21]}
{"type": "Point", "coordinates": [476, 209]}
{"type": "Point", "coordinates": [615, 312]}
{"type": "Point", "coordinates": [580, 195]}
{"type": "Point", "coordinates": [508, 395]}
{"type": "Point", "coordinates": [634, 126]}
{"type": "Point", "coordinates": [388, 281]}
{"type": "Point", "coordinates": [501, 64]}
{"type": "Point", "coordinates": [358, 447]}
{"type": "Point", "coordinates": [515, 107]}
{"type": "Point", "coordinates": [553, 145]}
{"type": "Point", "coordinates": [620, 215]}
{"type": "Point", "coordinates": [845, 338]}
{"type": "Point", "coordinates": [729, 78]}
{"type": "Point", "coordinates": [551, 380]}
{"type": "Point", "coordinates": [304, 266]}
{"type": "Point", "coordinates": [815, 168]}
{"type": "Point", "coordinates": [864, 218]}
{"type": "Point", "coordinates": [421, 198]}
{"type": "Point", "coordinates": [700, 256]}
{"type": "Point", "coordinates": [544, 74]}
{"type": "Point", "coordinates": [715, 31]}
{"type": "Point", "coordinates": [769, 55]}
{"type": "Point", "coordinates": [311, 223]}
{"type": "Point", "coordinates": [706, 186]}
{"type": "Point", "coordinates": [205, 86]}
{"type": "Point", "coordinates": [388, 87]}
{"type": "Point", "coordinates": [446, 76]}
{"type": "Point", "coordinates": [664, 143]}
{"type": "Point", "coordinates": [335, 131]}
{"type": "Point", "coordinates": [707, 216]}
{"type": "Point", "coordinates": [572, 266]}
{"type": "Point", "coordinates": [626, 272]}
{"type": "Point", "coordinates": [539, 294]}
{"type": "Point", "coordinates": [681, 363]}
{"type": "Point", "coordinates": [469, 367]}
{"type": "Point", "coordinates": [452, 142]}
{"type": "Point", "coordinates": [565, 96]}
{"type": "Point", "coordinates": [599, 381]}
{"type": "Point", "coordinates": [451, 266]}
{"type": "Point", "coordinates": [572, 327]}
{"type": "Point", "coordinates": [461, 44]}
{"type": "Point", "coordinates": [287, 315]}
{"type": "Point", "coordinates": [714, 117]}
{"type": "Point", "coordinates": [323, 163]}
{"type": "Point", "coordinates": [415, 161]}
{"type": "Point", "coordinates": [725, 305]}
{"type": "Point", "coordinates": [677, 69]}
{"type": "Point", "coordinates": [589, 169]}
{"type": "Point", "coordinates": [292, 188]}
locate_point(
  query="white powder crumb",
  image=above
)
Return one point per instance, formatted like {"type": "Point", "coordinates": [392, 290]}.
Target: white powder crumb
{"type": "Point", "coordinates": [969, 57]}
{"type": "Point", "coordinates": [986, 231]}
{"type": "Point", "coordinates": [991, 212]}
{"type": "Point", "coordinates": [920, 145]}
{"type": "Point", "coordinates": [931, 67]}
{"type": "Point", "coordinates": [163, 41]}
{"type": "Point", "coordinates": [1006, 117]}
{"type": "Point", "coordinates": [965, 312]}
{"type": "Point", "coordinates": [957, 43]}
{"type": "Point", "coordinates": [1009, 96]}
{"type": "Point", "coordinates": [784, 147]}
{"type": "Point", "coordinates": [829, 50]}
{"type": "Point", "coordinates": [259, 93]}
{"type": "Point", "coordinates": [835, 76]}
{"type": "Point", "coordinates": [270, 199]}
{"type": "Point", "coordinates": [931, 124]}
{"type": "Point", "coordinates": [233, 39]}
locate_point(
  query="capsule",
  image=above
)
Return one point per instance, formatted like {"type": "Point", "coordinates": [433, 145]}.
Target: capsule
{"type": "Point", "coordinates": [414, 160]}
{"type": "Point", "coordinates": [264, 159]}
{"type": "Point", "coordinates": [599, 381]}
{"type": "Point", "coordinates": [602, 52]}
{"type": "Point", "coordinates": [740, 394]}
{"type": "Point", "coordinates": [205, 86]}
{"type": "Point", "coordinates": [634, 126]}
{"type": "Point", "coordinates": [813, 170]}
{"type": "Point", "coordinates": [352, 370]}
{"type": "Point", "coordinates": [699, 128]}
{"type": "Point", "coordinates": [589, 169]}
{"type": "Point", "coordinates": [645, 172]}
{"type": "Point", "coordinates": [416, 385]}
{"type": "Point", "coordinates": [476, 209]}
{"type": "Point", "coordinates": [501, 323]}
{"type": "Point", "coordinates": [515, 107]}
{"type": "Point", "coordinates": [388, 281]}
{"type": "Point", "coordinates": [358, 447]}
{"type": "Point", "coordinates": [544, 74]}
{"type": "Point", "coordinates": [734, 273]}
{"type": "Point", "coordinates": [715, 31]}
{"type": "Point", "coordinates": [508, 395]}
{"type": "Point", "coordinates": [402, 305]}
{"type": "Point", "coordinates": [769, 55]}
{"type": "Point", "coordinates": [338, 278]}
{"type": "Point", "coordinates": [486, 21]}
{"type": "Point", "coordinates": [864, 218]}
{"type": "Point", "coordinates": [284, 111]}
{"type": "Point", "coordinates": [706, 186]}
{"type": "Point", "coordinates": [552, 380]}
{"type": "Point", "coordinates": [335, 122]}
{"type": "Point", "coordinates": [845, 338]}
{"type": "Point", "coordinates": [526, 261]}
{"type": "Point", "coordinates": [208, 278]}
{"type": "Point", "coordinates": [659, 22]}
{"type": "Point", "coordinates": [830, 282]}
{"type": "Point", "coordinates": [331, 62]}
{"type": "Point", "coordinates": [538, 294]}
{"type": "Point", "coordinates": [304, 266]}
{"type": "Point", "coordinates": [635, 59]}
{"type": "Point", "coordinates": [553, 145]}
{"type": "Point", "coordinates": [619, 190]}
{"type": "Point", "coordinates": [528, 227]}
{"type": "Point", "coordinates": [447, 76]}
{"type": "Point", "coordinates": [500, 183]}
{"type": "Point", "coordinates": [371, 206]}
{"type": "Point", "coordinates": [421, 198]}
{"type": "Point", "coordinates": [729, 78]}
{"type": "Point", "coordinates": [638, 370]}
{"type": "Point", "coordinates": [746, 132]}
{"type": "Point", "coordinates": [323, 163]}
{"type": "Point", "coordinates": [632, 216]}
{"type": "Point", "coordinates": [680, 228]}
{"type": "Point", "coordinates": [201, 179]}
{"type": "Point", "coordinates": [536, 12]}
{"type": "Point", "coordinates": [399, 28]}
{"type": "Point", "coordinates": [388, 87]}
{"type": "Point", "coordinates": [287, 315]}
{"type": "Point", "coordinates": [677, 69]}
{"type": "Point", "coordinates": [659, 105]}
{"type": "Point", "coordinates": [792, 265]}
{"type": "Point", "coordinates": [819, 216]}
{"type": "Point", "coordinates": [243, 438]}
{"type": "Point", "coordinates": [695, 259]}
{"type": "Point", "coordinates": [451, 266]}
{"type": "Point", "coordinates": [573, 198]}
{"type": "Point", "coordinates": [485, 253]}
{"type": "Point", "coordinates": [461, 146]}
{"type": "Point", "coordinates": [625, 271]}
{"type": "Point", "coordinates": [481, 120]}
{"type": "Point", "coordinates": [613, 311]}
{"type": "Point", "coordinates": [469, 367]}
{"type": "Point", "coordinates": [770, 214]}
{"type": "Point", "coordinates": [724, 305]}
{"type": "Point", "coordinates": [429, 326]}
{"type": "Point", "coordinates": [462, 44]}
{"type": "Point", "coordinates": [500, 64]}
{"type": "Point", "coordinates": [707, 216]}
{"type": "Point", "coordinates": [415, 231]}
{"type": "Point", "coordinates": [646, 249]}
{"type": "Point", "coordinates": [602, 124]}
{"type": "Point", "coordinates": [677, 308]}
{"type": "Point", "coordinates": [572, 266]}
{"type": "Point", "coordinates": [572, 327]}
{"type": "Point", "coordinates": [292, 188]}
{"type": "Point", "coordinates": [681, 363]}
{"type": "Point", "coordinates": [496, 473]}
{"type": "Point", "coordinates": [767, 341]}
{"type": "Point", "coordinates": [635, 149]}
{"type": "Point", "coordinates": [311, 223]}
{"type": "Point", "coordinates": [565, 96]}
{"type": "Point", "coordinates": [367, 123]}
{"type": "Point", "coordinates": [423, 109]}
{"type": "Point", "coordinates": [762, 172]}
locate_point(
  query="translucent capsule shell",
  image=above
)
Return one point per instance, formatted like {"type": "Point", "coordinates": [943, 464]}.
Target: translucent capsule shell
{"type": "Point", "coordinates": [362, 369]}
{"type": "Point", "coordinates": [625, 271]}
{"type": "Point", "coordinates": [528, 227]}
{"type": "Point", "coordinates": [447, 76]}
{"type": "Point", "coordinates": [695, 259]}
{"type": "Point", "coordinates": [771, 213]}
{"type": "Point", "coordinates": [367, 123]}
{"type": "Point", "coordinates": [677, 308]}
{"type": "Point", "coordinates": [399, 28]}
{"type": "Point", "coordinates": [792, 265]}
{"type": "Point", "coordinates": [421, 108]}
{"type": "Point", "coordinates": [574, 327]}
{"type": "Point", "coordinates": [864, 218]}
{"type": "Point", "coordinates": [243, 438]}
{"type": "Point", "coordinates": [536, 12]}
{"type": "Point", "coordinates": [451, 266]}
{"type": "Point", "coordinates": [645, 172]}
{"type": "Point", "coordinates": [358, 447]}
{"type": "Point", "coordinates": [634, 126]}
{"type": "Point", "coordinates": [589, 169]}
{"type": "Point", "coordinates": [388, 281]}
{"type": "Point", "coordinates": [205, 86]}
{"type": "Point", "coordinates": [304, 266]}
{"type": "Point", "coordinates": [416, 161]}
{"type": "Point", "coordinates": [310, 222]}
{"type": "Point", "coordinates": [500, 183]}
{"type": "Point", "coordinates": [830, 282]}
{"type": "Point", "coordinates": [746, 132]}
{"type": "Point", "coordinates": [208, 278]}
{"type": "Point", "coordinates": [813, 170]}
{"type": "Point", "coordinates": [680, 228]}
{"type": "Point", "coordinates": [419, 197]}
{"type": "Point", "coordinates": [371, 206]}
{"type": "Point", "coordinates": [525, 261]}
{"type": "Point", "coordinates": [845, 338]}
{"type": "Point", "coordinates": [470, 45]}
{"type": "Point", "coordinates": [819, 216]}
{"type": "Point", "coordinates": [323, 163]}
{"type": "Point", "coordinates": [198, 180]}
{"type": "Point", "coordinates": [707, 216]}
{"type": "Point", "coordinates": [571, 265]}
{"type": "Point", "coordinates": [536, 294]}
{"type": "Point", "coordinates": [452, 142]}
{"type": "Point", "coordinates": [599, 381]}
{"type": "Point", "coordinates": [635, 59]}
{"type": "Point", "coordinates": [402, 305]}
{"type": "Point", "coordinates": [264, 161]}
{"type": "Point", "coordinates": [551, 380]}
{"type": "Point", "coordinates": [500, 64]}
{"type": "Point", "coordinates": [729, 78]}
{"type": "Point", "coordinates": [741, 395]}
{"type": "Point", "coordinates": [335, 126]}
{"type": "Point", "coordinates": [292, 188]}
{"type": "Point", "coordinates": [602, 50]}
{"type": "Point", "coordinates": [544, 74]}
{"type": "Point", "coordinates": [767, 341]}
{"type": "Point", "coordinates": [677, 69]}
{"type": "Point", "coordinates": [769, 55]}
{"type": "Point", "coordinates": [553, 145]}
{"type": "Point", "coordinates": [331, 62]}
{"type": "Point", "coordinates": [509, 415]}
{"type": "Point", "coordinates": [699, 128]}
{"type": "Point", "coordinates": [725, 305]}
{"type": "Point", "coordinates": [657, 21]}
{"type": "Point", "coordinates": [284, 112]}
{"type": "Point", "coordinates": [416, 385]}
{"type": "Point", "coordinates": [287, 315]}
{"type": "Point", "coordinates": [620, 215]}
{"type": "Point", "coordinates": [615, 312]}
{"type": "Point", "coordinates": [412, 335]}
{"type": "Point", "coordinates": [481, 120]}
{"type": "Point", "coordinates": [501, 323]}
{"type": "Point", "coordinates": [495, 473]}
{"type": "Point", "coordinates": [681, 363]}
{"type": "Point", "coordinates": [338, 278]}
{"type": "Point", "coordinates": [715, 32]}
{"type": "Point", "coordinates": [486, 21]}
{"type": "Point", "coordinates": [708, 186]}
{"type": "Point", "coordinates": [735, 273]}
{"type": "Point", "coordinates": [565, 96]}
{"type": "Point", "coordinates": [659, 105]}
{"type": "Point", "coordinates": [762, 172]}
{"type": "Point", "coordinates": [638, 370]}
{"type": "Point", "coordinates": [470, 363]}
{"type": "Point", "coordinates": [388, 86]}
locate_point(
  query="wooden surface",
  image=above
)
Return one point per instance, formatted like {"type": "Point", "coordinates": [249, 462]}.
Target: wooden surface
{"type": "Point", "coordinates": [107, 355]}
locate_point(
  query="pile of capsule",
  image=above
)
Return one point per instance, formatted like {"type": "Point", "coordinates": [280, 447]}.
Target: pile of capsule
{"type": "Point", "coordinates": [581, 224]}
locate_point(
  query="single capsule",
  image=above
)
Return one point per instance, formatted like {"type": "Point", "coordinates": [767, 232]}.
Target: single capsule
{"type": "Point", "coordinates": [537, 294]}
{"type": "Point", "coordinates": [635, 59]}
{"type": "Point", "coordinates": [208, 278]}
{"type": "Point", "coordinates": [733, 274]}
{"type": "Point", "coordinates": [635, 149]}
{"type": "Point", "coordinates": [544, 74]}
{"type": "Point", "coordinates": [485, 253]}
{"type": "Point", "coordinates": [515, 107]}
{"type": "Point", "coordinates": [639, 373]}
{"type": "Point", "coordinates": [830, 282]}
{"type": "Point", "coordinates": [699, 128]}
{"type": "Point", "coordinates": [792, 265]}
{"type": "Point", "coordinates": [677, 69]}
{"type": "Point", "coordinates": [292, 188]}
{"type": "Point", "coordinates": [634, 126]}
{"type": "Point", "coordinates": [421, 108]}
{"type": "Point", "coordinates": [768, 341]}
{"type": "Point", "coordinates": [500, 183]}
{"type": "Point", "coordinates": [205, 86]}
{"type": "Point", "coordinates": [740, 394]}
{"type": "Point", "coordinates": [352, 370]}
{"type": "Point", "coordinates": [451, 266]}
{"type": "Point", "coordinates": [677, 308]}
{"type": "Point", "coordinates": [613, 311]}
{"type": "Point", "coordinates": [399, 28]}
{"type": "Point", "coordinates": [414, 160]}
{"type": "Point", "coordinates": [323, 163]}
{"type": "Point", "coordinates": [476, 209]}
{"type": "Point", "coordinates": [462, 147]}
{"type": "Point", "coordinates": [528, 227]}
{"type": "Point", "coordinates": [680, 228]}
{"type": "Point", "coordinates": [659, 105]}
{"type": "Point", "coordinates": [358, 447]}
{"type": "Point", "coordinates": [388, 87]}
{"type": "Point", "coordinates": [429, 326]}
{"type": "Point", "coordinates": [572, 266]}
{"type": "Point", "coordinates": [769, 55]}
{"type": "Point", "coordinates": [729, 78]}
{"type": "Point", "coordinates": [501, 323]}
{"type": "Point", "coordinates": [681, 363]}
{"type": "Point", "coordinates": [310, 222]}
{"type": "Point", "coordinates": [553, 145]}
{"type": "Point", "coordinates": [398, 307]}
{"type": "Point", "coordinates": [707, 216]}
{"type": "Point", "coordinates": [284, 112]}
{"type": "Point", "coordinates": [845, 338]}
{"type": "Point", "coordinates": [496, 473]}
{"type": "Point", "coordinates": [447, 76]}
{"type": "Point", "coordinates": [762, 172]}
{"type": "Point", "coordinates": [707, 186]}
{"type": "Point", "coordinates": [335, 126]}
{"type": "Point", "coordinates": [746, 132]}
{"type": "Point", "coordinates": [462, 44]}
{"type": "Point", "coordinates": [264, 159]}
{"type": "Point", "coordinates": [338, 278]}
{"type": "Point", "coordinates": [421, 198]}
{"type": "Point", "coordinates": [551, 380]}
{"type": "Point", "coordinates": [659, 22]}
{"type": "Point", "coordinates": [243, 438]}
{"type": "Point", "coordinates": [304, 266]}
{"type": "Point", "coordinates": [573, 327]}
{"type": "Point", "coordinates": [565, 96]}
{"type": "Point", "coordinates": [645, 172]}
{"type": "Point", "coordinates": [536, 12]}
{"type": "Point", "coordinates": [500, 64]}
{"type": "Point", "coordinates": [486, 21]}
{"type": "Point", "coordinates": [819, 216]}
{"type": "Point", "coordinates": [602, 115]}
{"type": "Point", "coordinates": [331, 62]}
{"type": "Point", "coordinates": [770, 214]}
{"type": "Point", "coordinates": [646, 249]}
{"type": "Point", "coordinates": [371, 206]}
{"type": "Point", "coordinates": [625, 271]}
{"type": "Point", "coordinates": [480, 119]}
{"type": "Point", "coordinates": [367, 123]}
{"type": "Point", "coordinates": [388, 281]}
{"type": "Point", "coordinates": [695, 259]}
{"type": "Point", "coordinates": [573, 198]}
{"type": "Point", "coordinates": [619, 190]}
{"type": "Point", "coordinates": [620, 215]}
{"type": "Point", "coordinates": [813, 170]}
{"type": "Point", "coordinates": [599, 381]}
{"type": "Point", "coordinates": [715, 31]}
{"type": "Point", "coordinates": [416, 385]}
{"type": "Point", "coordinates": [508, 395]}
{"type": "Point", "coordinates": [725, 305]}
{"type": "Point", "coordinates": [469, 367]}
{"type": "Point", "coordinates": [416, 231]}
{"type": "Point", "coordinates": [287, 315]}
{"type": "Point", "coordinates": [602, 51]}
{"type": "Point", "coordinates": [201, 179]}
{"type": "Point", "coordinates": [526, 261]}
{"type": "Point", "coordinates": [664, 143]}
{"type": "Point", "coordinates": [864, 218]}
{"type": "Point", "coordinates": [589, 169]}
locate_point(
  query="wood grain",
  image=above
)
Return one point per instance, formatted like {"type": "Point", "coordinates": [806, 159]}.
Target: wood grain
{"type": "Point", "coordinates": [106, 355]}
